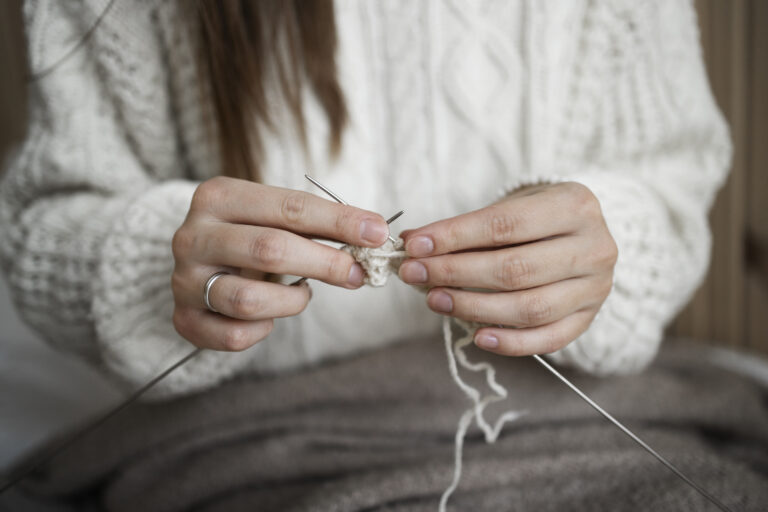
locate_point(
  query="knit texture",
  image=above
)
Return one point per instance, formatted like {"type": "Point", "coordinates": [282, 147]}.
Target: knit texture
{"type": "Point", "coordinates": [378, 262]}
{"type": "Point", "coordinates": [451, 103]}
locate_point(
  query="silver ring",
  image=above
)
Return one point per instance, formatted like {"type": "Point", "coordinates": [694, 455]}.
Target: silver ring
{"type": "Point", "coordinates": [207, 290]}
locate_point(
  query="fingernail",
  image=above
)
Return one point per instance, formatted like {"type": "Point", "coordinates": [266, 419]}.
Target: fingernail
{"type": "Point", "coordinates": [373, 232]}
{"type": "Point", "coordinates": [420, 246]}
{"type": "Point", "coordinates": [356, 276]}
{"type": "Point", "coordinates": [413, 272]}
{"type": "Point", "coordinates": [440, 302]}
{"type": "Point", "coordinates": [487, 341]}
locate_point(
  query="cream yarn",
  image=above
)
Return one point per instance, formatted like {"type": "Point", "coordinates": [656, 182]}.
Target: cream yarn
{"type": "Point", "coordinates": [378, 264]}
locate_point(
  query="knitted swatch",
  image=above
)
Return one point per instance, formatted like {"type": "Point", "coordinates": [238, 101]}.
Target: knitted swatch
{"type": "Point", "coordinates": [378, 264]}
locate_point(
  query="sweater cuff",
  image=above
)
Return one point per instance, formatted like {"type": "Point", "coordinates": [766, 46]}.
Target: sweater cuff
{"type": "Point", "coordinates": [653, 278]}
{"type": "Point", "coordinates": [133, 301]}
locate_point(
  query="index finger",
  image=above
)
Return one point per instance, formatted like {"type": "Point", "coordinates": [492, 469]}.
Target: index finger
{"type": "Point", "coordinates": [512, 221]}
{"type": "Point", "coordinates": [245, 202]}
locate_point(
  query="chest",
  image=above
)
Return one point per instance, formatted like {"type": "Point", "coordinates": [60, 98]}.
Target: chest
{"type": "Point", "coordinates": [449, 103]}
{"type": "Point", "coordinates": [438, 100]}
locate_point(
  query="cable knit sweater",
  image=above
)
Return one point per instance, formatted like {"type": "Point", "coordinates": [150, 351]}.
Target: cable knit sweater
{"type": "Point", "coordinates": [452, 103]}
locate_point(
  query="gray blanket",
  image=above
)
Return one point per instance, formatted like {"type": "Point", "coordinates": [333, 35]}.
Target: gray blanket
{"type": "Point", "coordinates": [376, 432]}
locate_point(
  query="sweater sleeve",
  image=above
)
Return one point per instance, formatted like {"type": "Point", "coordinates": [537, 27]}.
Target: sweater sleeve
{"type": "Point", "coordinates": [643, 132]}
{"type": "Point", "coordinates": [85, 221]}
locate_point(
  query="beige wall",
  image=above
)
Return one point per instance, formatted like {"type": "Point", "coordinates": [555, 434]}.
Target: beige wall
{"type": "Point", "coordinates": [732, 306]}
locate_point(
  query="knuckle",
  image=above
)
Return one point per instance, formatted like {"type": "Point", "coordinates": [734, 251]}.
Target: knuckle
{"type": "Point", "coordinates": [605, 287]}
{"type": "Point", "coordinates": [502, 229]}
{"type": "Point", "coordinates": [246, 302]}
{"type": "Point", "coordinates": [209, 193]}
{"type": "Point", "coordinates": [236, 339]}
{"type": "Point", "coordinates": [182, 321]}
{"type": "Point", "coordinates": [453, 234]}
{"type": "Point", "coordinates": [345, 223]}
{"type": "Point", "coordinates": [606, 254]}
{"type": "Point", "coordinates": [183, 242]}
{"type": "Point", "coordinates": [514, 272]}
{"type": "Point", "coordinates": [585, 201]}
{"type": "Point", "coordinates": [554, 340]}
{"type": "Point", "coordinates": [447, 272]}
{"type": "Point", "coordinates": [294, 206]}
{"type": "Point", "coordinates": [475, 310]}
{"type": "Point", "coordinates": [178, 283]}
{"type": "Point", "coordinates": [268, 249]}
{"type": "Point", "coordinates": [576, 189]}
{"type": "Point", "coordinates": [339, 265]}
{"type": "Point", "coordinates": [536, 311]}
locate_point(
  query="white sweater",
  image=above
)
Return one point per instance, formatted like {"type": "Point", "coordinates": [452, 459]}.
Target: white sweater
{"type": "Point", "coordinates": [452, 103]}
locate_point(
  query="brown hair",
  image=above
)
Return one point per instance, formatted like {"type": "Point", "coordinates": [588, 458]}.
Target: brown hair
{"type": "Point", "coordinates": [244, 43]}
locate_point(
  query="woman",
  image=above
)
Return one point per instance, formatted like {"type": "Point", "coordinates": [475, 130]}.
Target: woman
{"type": "Point", "coordinates": [526, 141]}
{"type": "Point", "coordinates": [555, 160]}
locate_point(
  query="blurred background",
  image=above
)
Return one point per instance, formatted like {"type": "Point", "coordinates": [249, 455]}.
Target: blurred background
{"type": "Point", "coordinates": [731, 308]}
{"type": "Point", "coordinates": [732, 305]}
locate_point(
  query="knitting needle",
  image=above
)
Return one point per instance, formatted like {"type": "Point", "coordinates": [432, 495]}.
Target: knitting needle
{"type": "Point", "coordinates": [395, 217]}
{"type": "Point", "coordinates": [591, 402]}
{"type": "Point", "coordinates": [389, 221]}
{"type": "Point", "coordinates": [628, 432]}
{"type": "Point", "coordinates": [60, 447]}
{"type": "Point", "coordinates": [340, 200]}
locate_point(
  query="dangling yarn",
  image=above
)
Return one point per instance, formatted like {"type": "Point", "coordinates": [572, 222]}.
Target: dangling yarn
{"type": "Point", "coordinates": [455, 352]}
{"type": "Point", "coordinates": [379, 263]}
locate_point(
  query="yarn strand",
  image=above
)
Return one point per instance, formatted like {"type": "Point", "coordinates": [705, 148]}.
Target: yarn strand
{"type": "Point", "coordinates": [455, 353]}
{"type": "Point", "coordinates": [379, 264]}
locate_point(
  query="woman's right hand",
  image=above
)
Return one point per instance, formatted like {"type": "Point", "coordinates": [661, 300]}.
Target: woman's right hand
{"type": "Point", "coordinates": [249, 230]}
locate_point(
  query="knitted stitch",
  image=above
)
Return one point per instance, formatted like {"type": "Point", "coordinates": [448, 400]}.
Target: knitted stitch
{"type": "Point", "coordinates": [451, 103]}
{"type": "Point", "coordinates": [378, 262]}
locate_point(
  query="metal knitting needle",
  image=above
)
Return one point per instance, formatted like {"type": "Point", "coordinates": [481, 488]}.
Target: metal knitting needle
{"type": "Point", "coordinates": [69, 440]}
{"type": "Point", "coordinates": [395, 217]}
{"type": "Point", "coordinates": [340, 200]}
{"type": "Point", "coordinates": [584, 397]}
{"type": "Point", "coordinates": [629, 433]}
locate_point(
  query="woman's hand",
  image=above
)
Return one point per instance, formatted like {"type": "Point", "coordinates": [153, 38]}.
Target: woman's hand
{"type": "Point", "coordinates": [248, 230]}
{"type": "Point", "coordinates": [544, 251]}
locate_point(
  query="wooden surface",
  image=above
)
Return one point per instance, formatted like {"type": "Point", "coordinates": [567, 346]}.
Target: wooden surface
{"type": "Point", "coordinates": [732, 305]}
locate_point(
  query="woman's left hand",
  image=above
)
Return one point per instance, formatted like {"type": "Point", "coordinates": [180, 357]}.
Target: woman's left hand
{"type": "Point", "coordinates": [543, 256]}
